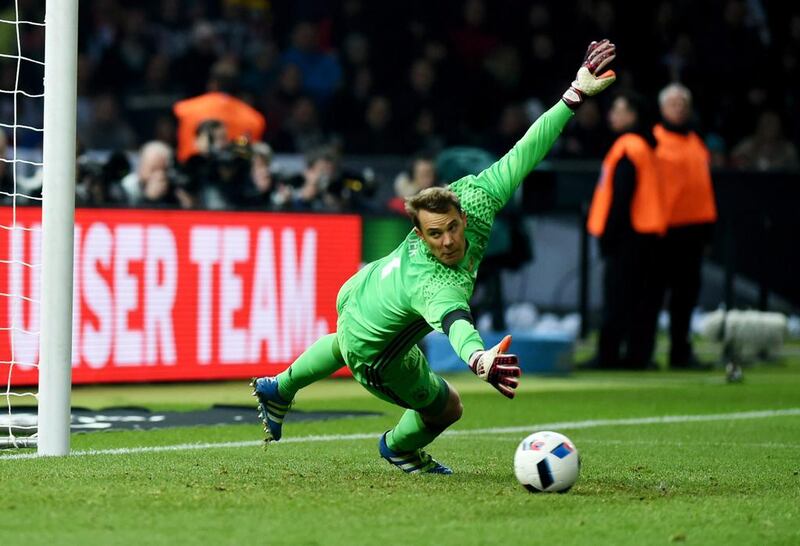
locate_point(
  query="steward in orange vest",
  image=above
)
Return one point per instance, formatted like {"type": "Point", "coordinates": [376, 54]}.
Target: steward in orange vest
{"type": "Point", "coordinates": [240, 119]}
{"type": "Point", "coordinates": [684, 164]}
{"type": "Point", "coordinates": [627, 215]}
{"type": "Point", "coordinates": [639, 206]}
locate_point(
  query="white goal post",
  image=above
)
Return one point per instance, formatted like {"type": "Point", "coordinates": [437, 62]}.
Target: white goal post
{"type": "Point", "coordinates": [52, 424]}
{"type": "Point", "coordinates": [58, 223]}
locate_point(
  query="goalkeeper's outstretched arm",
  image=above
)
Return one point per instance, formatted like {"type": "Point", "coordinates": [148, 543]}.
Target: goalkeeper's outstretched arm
{"type": "Point", "coordinates": [503, 177]}
{"type": "Point", "coordinates": [495, 366]}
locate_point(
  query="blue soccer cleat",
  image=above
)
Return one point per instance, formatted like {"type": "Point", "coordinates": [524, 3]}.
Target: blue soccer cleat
{"type": "Point", "coordinates": [412, 462]}
{"type": "Point", "coordinates": [272, 407]}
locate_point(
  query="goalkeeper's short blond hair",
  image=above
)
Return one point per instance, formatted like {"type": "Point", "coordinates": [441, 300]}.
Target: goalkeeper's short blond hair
{"type": "Point", "coordinates": [435, 199]}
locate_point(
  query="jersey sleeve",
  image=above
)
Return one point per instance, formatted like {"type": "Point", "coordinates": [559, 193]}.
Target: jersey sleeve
{"type": "Point", "coordinates": [464, 339]}
{"type": "Point", "coordinates": [463, 336]}
{"type": "Point", "coordinates": [500, 180]}
{"type": "Point", "coordinates": [433, 305]}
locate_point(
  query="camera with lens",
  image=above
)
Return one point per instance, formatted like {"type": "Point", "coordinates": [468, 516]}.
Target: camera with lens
{"type": "Point", "coordinates": [98, 180]}
{"type": "Point", "coordinates": [352, 189]}
{"type": "Point", "coordinates": [232, 162]}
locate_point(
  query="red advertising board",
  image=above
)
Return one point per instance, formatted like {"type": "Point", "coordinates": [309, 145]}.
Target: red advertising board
{"type": "Point", "coordinates": [180, 295]}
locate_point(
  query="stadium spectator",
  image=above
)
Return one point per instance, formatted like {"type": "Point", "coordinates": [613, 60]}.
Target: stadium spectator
{"type": "Point", "coordinates": [684, 164]}
{"type": "Point", "coordinates": [627, 216]}
{"type": "Point", "coordinates": [261, 68]}
{"type": "Point", "coordinates": [421, 92]}
{"type": "Point", "coordinates": [680, 61]}
{"type": "Point", "coordinates": [148, 103]}
{"type": "Point", "coordinates": [350, 102]}
{"type": "Point", "coordinates": [716, 147]}
{"type": "Point", "coordinates": [586, 137]}
{"type": "Point", "coordinates": [511, 125]}
{"type": "Point", "coordinates": [424, 133]}
{"type": "Point", "coordinates": [107, 130]}
{"type": "Point", "coordinates": [377, 134]}
{"type": "Point", "coordinates": [356, 49]}
{"type": "Point", "coordinates": [766, 149]}
{"type": "Point", "coordinates": [240, 119]}
{"type": "Point", "coordinates": [194, 67]}
{"type": "Point", "coordinates": [504, 68]}
{"type": "Point", "coordinates": [124, 60]}
{"type": "Point", "coordinates": [473, 40]}
{"type": "Point", "coordinates": [301, 131]}
{"type": "Point", "coordinates": [321, 71]}
{"type": "Point", "coordinates": [279, 100]}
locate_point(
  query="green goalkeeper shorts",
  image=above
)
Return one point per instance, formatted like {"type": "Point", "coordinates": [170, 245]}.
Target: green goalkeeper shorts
{"type": "Point", "coordinates": [406, 381]}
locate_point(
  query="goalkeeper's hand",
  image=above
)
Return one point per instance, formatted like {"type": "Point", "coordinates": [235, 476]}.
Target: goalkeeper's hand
{"type": "Point", "coordinates": [591, 79]}
{"type": "Point", "coordinates": [500, 370]}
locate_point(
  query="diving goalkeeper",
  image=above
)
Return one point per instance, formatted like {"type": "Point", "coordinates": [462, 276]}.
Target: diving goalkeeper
{"type": "Point", "coordinates": [425, 284]}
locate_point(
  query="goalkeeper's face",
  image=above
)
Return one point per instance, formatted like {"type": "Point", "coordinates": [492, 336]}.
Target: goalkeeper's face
{"type": "Point", "coordinates": [444, 234]}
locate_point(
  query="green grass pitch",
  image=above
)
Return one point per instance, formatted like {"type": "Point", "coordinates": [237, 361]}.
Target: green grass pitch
{"type": "Point", "coordinates": [725, 481]}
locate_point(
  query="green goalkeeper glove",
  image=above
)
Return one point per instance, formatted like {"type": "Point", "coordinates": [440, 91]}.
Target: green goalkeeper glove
{"type": "Point", "coordinates": [497, 368]}
{"type": "Point", "coordinates": [591, 79]}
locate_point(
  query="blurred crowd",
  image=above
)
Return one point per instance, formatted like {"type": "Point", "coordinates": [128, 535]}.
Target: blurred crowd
{"type": "Point", "coordinates": [328, 80]}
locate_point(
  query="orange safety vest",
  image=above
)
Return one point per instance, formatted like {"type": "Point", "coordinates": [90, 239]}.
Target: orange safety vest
{"type": "Point", "coordinates": [647, 206]}
{"type": "Point", "coordinates": [683, 161]}
{"type": "Point", "coordinates": [241, 119]}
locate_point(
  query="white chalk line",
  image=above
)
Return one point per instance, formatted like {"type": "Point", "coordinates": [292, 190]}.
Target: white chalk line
{"type": "Point", "coordinates": [654, 443]}
{"type": "Point", "coordinates": [563, 425]}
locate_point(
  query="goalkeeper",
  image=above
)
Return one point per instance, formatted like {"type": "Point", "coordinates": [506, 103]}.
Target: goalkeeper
{"type": "Point", "coordinates": [426, 284]}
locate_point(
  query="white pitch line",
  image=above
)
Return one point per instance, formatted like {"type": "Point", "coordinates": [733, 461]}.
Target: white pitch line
{"type": "Point", "coordinates": [663, 420]}
{"type": "Point", "coordinates": [563, 425]}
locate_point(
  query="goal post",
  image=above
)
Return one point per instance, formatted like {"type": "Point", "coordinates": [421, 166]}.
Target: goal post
{"type": "Point", "coordinates": [58, 221]}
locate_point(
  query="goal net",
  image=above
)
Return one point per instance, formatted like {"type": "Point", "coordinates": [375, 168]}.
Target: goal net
{"type": "Point", "coordinates": [38, 50]}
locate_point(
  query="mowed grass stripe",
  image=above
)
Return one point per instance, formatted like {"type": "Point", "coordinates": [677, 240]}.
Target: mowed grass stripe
{"type": "Point", "coordinates": [564, 425]}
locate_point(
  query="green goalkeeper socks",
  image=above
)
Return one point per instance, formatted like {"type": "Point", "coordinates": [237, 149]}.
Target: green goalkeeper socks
{"type": "Point", "coordinates": [410, 433]}
{"type": "Point", "coordinates": [317, 362]}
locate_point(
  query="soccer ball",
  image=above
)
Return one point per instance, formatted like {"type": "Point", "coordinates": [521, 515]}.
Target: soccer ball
{"type": "Point", "coordinates": [547, 462]}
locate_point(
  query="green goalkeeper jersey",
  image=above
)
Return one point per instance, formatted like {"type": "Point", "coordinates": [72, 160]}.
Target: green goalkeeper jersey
{"type": "Point", "coordinates": [393, 302]}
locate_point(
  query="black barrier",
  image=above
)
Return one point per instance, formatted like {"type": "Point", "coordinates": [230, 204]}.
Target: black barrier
{"type": "Point", "coordinates": [755, 237]}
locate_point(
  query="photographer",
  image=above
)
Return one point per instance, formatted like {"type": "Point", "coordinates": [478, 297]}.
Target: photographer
{"type": "Point", "coordinates": [306, 190]}
{"type": "Point", "coordinates": [154, 183]}
{"type": "Point", "coordinates": [98, 183]}
{"type": "Point", "coordinates": [351, 191]}
{"type": "Point", "coordinates": [421, 174]}
{"type": "Point", "coordinates": [220, 171]}
{"type": "Point", "coordinates": [261, 186]}
{"type": "Point", "coordinates": [325, 185]}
